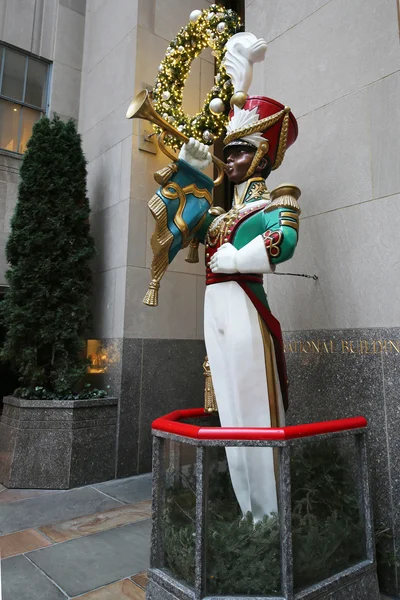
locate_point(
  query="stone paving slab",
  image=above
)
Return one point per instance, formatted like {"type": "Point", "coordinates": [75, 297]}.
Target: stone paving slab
{"type": "Point", "coordinates": [15, 495]}
{"type": "Point", "coordinates": [21, 542]}
{"type": "Point", "coordinates": [130, 490]}
{"type": "Point", "coordinates": [141, 579]}
{"type": "Point", "coordinates": [90, 524]}
{"type": "Point", "coordinates": [121, 590]}
{"type": "Point", "coordinates": [21, 580]}
{"type": "Point", "coordinates": [88, 563]}
{"type": "Point", "coordinates": [62, 506]}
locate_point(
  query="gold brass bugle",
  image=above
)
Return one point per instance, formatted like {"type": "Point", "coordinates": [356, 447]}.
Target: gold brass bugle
{"type": "Point", "coordinates": [141, 107]}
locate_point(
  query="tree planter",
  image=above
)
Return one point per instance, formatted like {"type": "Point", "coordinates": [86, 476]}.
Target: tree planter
{"type": "Point", "coordinates": [50, 444]}
{"type": "Point", "coordinates": [319, 549]}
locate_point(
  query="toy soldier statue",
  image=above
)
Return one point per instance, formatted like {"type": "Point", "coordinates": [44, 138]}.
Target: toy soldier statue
{"type": "Point", "coordinates": [243, 339]}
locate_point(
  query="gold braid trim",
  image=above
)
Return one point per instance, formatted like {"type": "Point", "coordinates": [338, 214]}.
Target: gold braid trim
{"type": "Point", "coordinates": [261, 152]}
{"type": "Point", "coordinates": [262, 125]}
{"type": "Point", "coordinates": [282, 142]}
{"type": "Point", "coordinates": [161, 241]}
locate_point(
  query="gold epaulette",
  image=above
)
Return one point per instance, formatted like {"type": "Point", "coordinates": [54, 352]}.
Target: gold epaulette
{"type": "Point", "coordinates": [285, 196]}
{"type": "Point", "coordinates": [266, 196]}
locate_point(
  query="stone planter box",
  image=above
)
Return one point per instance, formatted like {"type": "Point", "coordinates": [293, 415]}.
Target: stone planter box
{"type": "Point", "coordinates": [51, 444]}
{"type": "Point", "coordinates": [198, 548]}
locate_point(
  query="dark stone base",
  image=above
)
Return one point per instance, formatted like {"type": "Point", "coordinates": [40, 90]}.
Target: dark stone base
{"type": "Point", "coordinates": [343, 373]}
{"type": "Point", "coordinates": [151, 377]}
{"type": "Point", "coordinates": [156, 592]}
{"type": "Point", "coordinates": [361, 585]}
{"type": "Point", "coordinates": [57, 444]}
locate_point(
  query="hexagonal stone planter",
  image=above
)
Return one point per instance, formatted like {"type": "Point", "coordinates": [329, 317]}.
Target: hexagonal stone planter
{"type": "Point", "coordinates": [57, 444]}
{"type": "Point", "coordinates": [320, 544]}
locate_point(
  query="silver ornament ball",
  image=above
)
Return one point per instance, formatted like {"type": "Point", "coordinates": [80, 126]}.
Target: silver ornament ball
{"type": "Point", "coordinates": [221, 27]}
{"type": "Point", "coordinates": [166, 95]}
{"type": "Point", "coordinates": [217, 106]}
{"type": "Point", "coordinates": [194, 16]}
{"type": "Point", "coordinates": [208, 136]}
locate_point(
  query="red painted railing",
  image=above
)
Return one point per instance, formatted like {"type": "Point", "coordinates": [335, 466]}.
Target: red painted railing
{"type": "Point", "coordinates": [171, 424]}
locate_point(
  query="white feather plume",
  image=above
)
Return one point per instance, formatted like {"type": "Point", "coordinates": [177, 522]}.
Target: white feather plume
{"type": "Point", "coordinates": [242, 51]}
{"type": "Point", "coordinates": [243, 118]}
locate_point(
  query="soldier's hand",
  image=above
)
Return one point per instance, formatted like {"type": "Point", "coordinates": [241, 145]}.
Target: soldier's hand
{"type": "Point", "coordinates": [196, 154]}
{"type": "Point", "coordinates": [224, 260]}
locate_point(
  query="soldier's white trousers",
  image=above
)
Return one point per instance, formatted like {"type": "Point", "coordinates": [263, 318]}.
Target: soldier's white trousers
{"type": "Point", "coordinates": [235, 351]}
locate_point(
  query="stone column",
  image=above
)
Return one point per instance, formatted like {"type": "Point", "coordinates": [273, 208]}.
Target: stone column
{"type": "Point", "coordinates": [158, 352]}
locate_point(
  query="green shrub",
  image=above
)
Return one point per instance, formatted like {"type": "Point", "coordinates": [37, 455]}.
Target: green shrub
{"type": "Point", "coordinates": [46, 311]}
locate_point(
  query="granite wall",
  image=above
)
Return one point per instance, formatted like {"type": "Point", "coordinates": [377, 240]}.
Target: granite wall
{"type": "Point", "coordinates": [336, 374]}
{"type": "Point", "coordinates": [157, 352]}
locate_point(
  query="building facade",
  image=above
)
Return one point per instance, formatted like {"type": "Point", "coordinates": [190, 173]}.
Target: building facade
{"type": "Point", "coordinates": [337, 64]}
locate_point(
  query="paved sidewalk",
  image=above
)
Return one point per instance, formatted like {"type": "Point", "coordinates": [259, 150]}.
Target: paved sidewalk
{"type": "Point", "coordinates": [90, 543]}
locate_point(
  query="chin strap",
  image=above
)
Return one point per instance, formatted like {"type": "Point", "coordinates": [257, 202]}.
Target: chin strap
{"type": "Point", "coordinates": [260, 153]}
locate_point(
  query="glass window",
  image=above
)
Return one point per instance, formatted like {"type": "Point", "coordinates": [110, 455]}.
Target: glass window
{"type": "Point", "coordinates": [9, 125]}
{"type": "Point", "coordinates": [36, 83]}
{"type": "Point", "coordinates": [29, 118]}
{"type": "Point", "coordinates": [13, 75]}
{"type": "Point", "coordinates": [23, 86]}
{"type": "Point", "coordinates": [327, 524]}
{"type": "Point", "coordinates": [176, 543]}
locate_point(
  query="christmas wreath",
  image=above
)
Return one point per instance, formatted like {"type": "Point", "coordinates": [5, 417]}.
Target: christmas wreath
{"type": "Point", "coordinates": [212, 28]}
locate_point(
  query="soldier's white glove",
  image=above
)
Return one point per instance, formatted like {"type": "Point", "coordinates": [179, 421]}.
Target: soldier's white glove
{"type": "Point", "coordinates": [252, 258]}
{"type": "Point", "coordinates": [196, 154]}
{"type": "Point", "coordinates": [224, 260]}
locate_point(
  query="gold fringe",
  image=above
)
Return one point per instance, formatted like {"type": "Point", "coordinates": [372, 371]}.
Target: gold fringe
{"type": "Point", "coordinates": [285, 196]}
{"type": "Point", "coordinates": [161, 241]}
{"type": "Point", "coordinates": [193, 254]}
{"type": "Point", "coordinates": [164, 175]}
{"type": "Point", "coordinates": [210, 402]}
{"type": "Point", "coordinates": [151, 297]}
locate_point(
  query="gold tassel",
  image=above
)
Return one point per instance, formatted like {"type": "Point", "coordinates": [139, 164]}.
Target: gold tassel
{"type": "Point", "coordinates": [210, 402]}
{"type": "Point", "coordinates": [164, 175]}
{"type": "Point", "coordinates": [151, 297]}
{"type": "Point", "coordinates": [193, 254]}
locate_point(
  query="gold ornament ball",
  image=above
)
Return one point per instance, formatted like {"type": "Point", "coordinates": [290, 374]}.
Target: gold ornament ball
{"type": "Point", "coordinates": [194, 16]}
{"type": "Point", "coordinates": [239, 99]}
{"type": "Point", "coordinates": [217, 106]}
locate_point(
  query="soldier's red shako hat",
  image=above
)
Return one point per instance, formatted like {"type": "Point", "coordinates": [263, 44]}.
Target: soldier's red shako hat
{"type": "Point", "coordinates": [275, 123]}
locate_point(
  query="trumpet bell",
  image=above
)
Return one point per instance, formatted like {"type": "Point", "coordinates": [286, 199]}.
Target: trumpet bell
{"type": "Point", "coordinates": [135, 109]}
{"type": "Point", "coordinates": [141, 107]}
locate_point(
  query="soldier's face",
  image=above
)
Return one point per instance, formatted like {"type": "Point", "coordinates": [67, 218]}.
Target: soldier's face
{"type": "Point", "coordinates": [238, 159]}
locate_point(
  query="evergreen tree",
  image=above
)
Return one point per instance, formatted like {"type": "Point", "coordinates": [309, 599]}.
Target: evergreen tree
{"type": "Point", "coordinates": [46, 310]}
